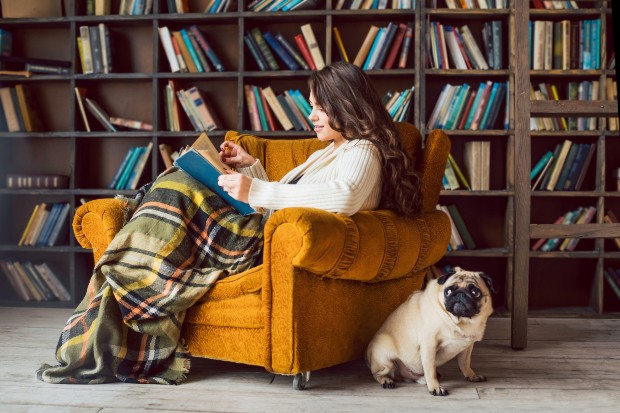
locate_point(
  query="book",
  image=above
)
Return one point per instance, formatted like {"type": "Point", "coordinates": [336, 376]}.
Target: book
{"type": "Point", "coordinates": [80, 94]}
{"type": "Point", "coordinates": [280, 51]}
{"type": "Point", "coordinates": [305, 51]}
{"type": "Point", "coordinates": [612, 281]}
{"type": "Point", "coordinates": [99, 114]}
{"type": "Point", "coordinates": [362, 53]}
{"type": "Point", "coordinates": [165, 151]}
{"type": "Point", "coordinates": [16, 282]}
{"type": "Point", "coordinates": [264, 49]}
{"type": "Point", "coordinates": [28, 226]}
{"type": "Point", "coordinates": [462, 228]}
{"type": "Point", "coordinates": [260, 60]}
{"type": "Point", "coordinates": [131, 124]}
{"type": "Point", "coordinates": [291, 50]}
{"type": "Point", "coordinates": [340, 45]}
{"type": "Point", "coordinates": [396, 45]}
{"type": "Point", "coordinates": [611, 218]}
{"type": "Point", "coordinates": [53, 282]}
{"type": "Point", "coordinates": [207, 49]}
{"type": "Point", "coordinates": [37, 181]}
{"type": "Point", "coordinates": [203, 163]}
{"type": "Point", "coordinates": [275, 105]}
{"type": "Point", "coordinates": [166, 42]}
{"type": "Point", "coordinates": [56, 231]}
{"type": "Point", "coordinates": [313, 46]}
{"type": "Point", "coordinates": [136, 172]}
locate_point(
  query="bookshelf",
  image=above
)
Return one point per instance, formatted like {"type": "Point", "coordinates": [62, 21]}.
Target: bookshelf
{"type": "Point", "coordinates": [513, 215]}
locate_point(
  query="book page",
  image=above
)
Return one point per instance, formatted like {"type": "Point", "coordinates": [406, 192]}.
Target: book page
{"type": "Point", "coordinates": [205, 147]}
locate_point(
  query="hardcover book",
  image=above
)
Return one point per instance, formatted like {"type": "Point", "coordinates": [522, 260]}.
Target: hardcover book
{"type": "Point", "coordinates": [202, 162]}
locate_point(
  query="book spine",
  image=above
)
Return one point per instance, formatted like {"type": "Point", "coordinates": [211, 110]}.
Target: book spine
{"type": "Point", "coordinates": [305, 52]}
{"type": "Point", "coordinates": [99, 114]}
{"type": "Point", "coordinates": [291, 50]}
{"type": "Point", "coordinates": [262, 45]}
{"type": "Point", "coordinates": [280, 51]}
{"type": "Point", "coordinates": [404, 51]}
{"type": "Point", "coordinates": [340, 45]}
{"type": "Point", "coordinates": [313, 46]}
{"type": "Point", "coordinates": [165, 39]}
{"type": "Point", "coordinates": [206, 47]}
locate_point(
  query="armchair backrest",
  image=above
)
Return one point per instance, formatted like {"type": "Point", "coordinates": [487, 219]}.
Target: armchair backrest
{"type": "Point", "coordinates": [279, 156]}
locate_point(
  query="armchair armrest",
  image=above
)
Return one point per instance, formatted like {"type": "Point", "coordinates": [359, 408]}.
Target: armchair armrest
{"type": "Point", "coordinates": [96, 223]}
{"type": "Point", "coordinates": [369, 246]}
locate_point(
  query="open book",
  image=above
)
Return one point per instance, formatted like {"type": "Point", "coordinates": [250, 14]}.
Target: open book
{"type": "Point", "coordinates": [202, 162]}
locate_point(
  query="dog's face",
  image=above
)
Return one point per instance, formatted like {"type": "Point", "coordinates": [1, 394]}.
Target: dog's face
{"type": "Point", "coordinates": [465, 293]}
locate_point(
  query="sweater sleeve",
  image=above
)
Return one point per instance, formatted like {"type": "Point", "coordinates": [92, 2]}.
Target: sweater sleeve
{"type": "Point", "coordinates": [256, 170]}
{"type": "Point", "coordinates": [343, 186]}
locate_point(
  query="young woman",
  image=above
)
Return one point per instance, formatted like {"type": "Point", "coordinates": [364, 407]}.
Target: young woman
{"type": "Point", "coordinates": [182, 237]}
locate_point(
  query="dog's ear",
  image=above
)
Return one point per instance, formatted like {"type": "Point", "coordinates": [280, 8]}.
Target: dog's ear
{"type": "Point", "coordinates": [442, 280]}
{"type": "Point", "coordinates": [488, 281]}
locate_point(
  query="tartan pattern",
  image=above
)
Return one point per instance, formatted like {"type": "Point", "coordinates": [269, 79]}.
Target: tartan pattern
{"type": "Point", "coordinates": [180, 240]}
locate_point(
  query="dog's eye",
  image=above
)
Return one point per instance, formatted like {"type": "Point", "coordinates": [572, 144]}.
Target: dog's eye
{"type": "Point", "coordinates": [447, 292]}
{"type": "Point", "coordinates": [475, 291]}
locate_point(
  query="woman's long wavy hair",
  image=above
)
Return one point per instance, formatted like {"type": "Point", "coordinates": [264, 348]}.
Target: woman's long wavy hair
{"type": "Point", "coordinates": [355, 110]}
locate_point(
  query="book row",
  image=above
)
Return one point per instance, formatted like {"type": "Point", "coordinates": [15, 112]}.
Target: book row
{"type": "Point", "coordinates": [460, 237]}
{"type": "Point", "coordinates": [473, 4]}
{"type": "Point", "coordinates": [95, 49]}
{"type": "Point", "coordinates": [613, 279]}
{"type": "Point", "coordinates": [555, 5]}
{"type": "Point", "coordinates": [265, 46]}
{"type": "Point", "coordinates": [34, 282]}
{"type": "Point", "coordinates": [125, 7]}
{"type": "Point", "coordinates": [398, 104]}
{"type": "Point", "coordinates": [581, 215]}
{"type": "Point", "coordinates": [130, 170]}
{"type": "Point", "coordinates": [375, 4]}
{"type": "Point", "coordinates": [109, 123]}
{"type": "Point", "coordinates": [194, 103]}
{"type": "Point", "coordinates": [45, 224]}
{"type": "Point", "coordinates": [476, 161]}
{"type": "Point", "coordinates": [585, 90]}
{"type": "Point", "coordinates": [285, 111]}
{"type": "Point", "coordinates": [37, 181]}
{"type": "Point", "coordinates": [282, 5]}
{"type": "Point", "coordinates": [188, 50]}
{"type": "Point", "coordinates": [564, 168]}
{"type": "Point", "coordinates": [467, 108]}
{"type": "Point", "coordinates": [452, 46]}
{"type": "Point", "coordinates": [16, 111]}
{"type": "Point", "coordinates": [383, 47]}
{"type": "Point", "coordinates": [565, 44]}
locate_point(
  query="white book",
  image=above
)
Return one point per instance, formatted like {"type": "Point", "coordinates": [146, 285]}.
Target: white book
{"type": "Point", "coordinates": [440, 101]}
{"type": "Point", "coordinates": [166, 42]}
{"type": "Point", "coordinates": [315, 51]}
{"type": "Point", "coordinates": [453, 47]}
{"type": "Point", "coordinates": [472, 46]}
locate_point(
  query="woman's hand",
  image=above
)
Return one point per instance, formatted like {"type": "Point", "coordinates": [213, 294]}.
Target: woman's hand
{"type": "Point", "coordinates": [234, 156]}
{"type": "Point", "coordinates": [236, 185]}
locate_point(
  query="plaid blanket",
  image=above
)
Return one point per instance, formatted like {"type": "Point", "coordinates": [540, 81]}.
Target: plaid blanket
{"type": "Point", "coordinates": [181, 239]}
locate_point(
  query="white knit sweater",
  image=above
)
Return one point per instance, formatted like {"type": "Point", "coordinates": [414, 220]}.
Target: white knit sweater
{"type": "Point", "coordinates": [344, 180]}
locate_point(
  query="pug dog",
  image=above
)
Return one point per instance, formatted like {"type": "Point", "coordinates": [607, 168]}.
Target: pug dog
{"type": "Point", "coordinates": [432, 327]}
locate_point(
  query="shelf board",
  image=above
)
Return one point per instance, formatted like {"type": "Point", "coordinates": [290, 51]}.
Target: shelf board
{"type": "Point", "coordinates": [478, 133]}
{"type": "Point", "coordinates": [468, 13]}
{"type": "Point", "coordinates": [575, 231]}
{"type": "Point", "coordinates": [466, 72]}
{"type": "Point", "coordinates": [573, 108]}
{"type": "Point", "coordinates": [17, 248]}
{"type": "Point", "coordinates": [570, 312]}
{"type": "Point", "coordinates": [44, 304]}
{"type": "Point", "coordinates": [465, 192]}
{"type": "Point", "coordinates": [565, 254]}
{"type": "Point", "coordinates": [486, 252]}
{"type": "Point", "coordinates": [570, 194]}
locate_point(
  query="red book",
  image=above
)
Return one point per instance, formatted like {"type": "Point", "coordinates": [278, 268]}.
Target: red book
{"type": "Point", "coordinates": [402, 59]}
{"type": "Point", "coordinates": [398, 39]}
{"type": "Point", "coordinates": [538, 4]}
{"type": "Point", "coordinates": [481, 105]}
{"type": "Point", "coordinates": [305, 52]}
{"type": "Point", "coordinates": [459, 41]}
{"type": "Point", "coordinates": [270, 119]}
{"type": "Point", "coordinates": [468, 105]}
{"type": "Point", "coordinates": [442, 46]}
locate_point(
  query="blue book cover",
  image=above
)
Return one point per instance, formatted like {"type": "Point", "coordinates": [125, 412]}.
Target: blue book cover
{"type": "Point", "coordinates": [199, 168]}
{"type": "Point", "coordinates": [280, 51]}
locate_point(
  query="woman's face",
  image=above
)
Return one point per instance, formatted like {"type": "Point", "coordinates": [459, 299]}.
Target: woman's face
{"type": "Point", "coordinates": [319, 118]}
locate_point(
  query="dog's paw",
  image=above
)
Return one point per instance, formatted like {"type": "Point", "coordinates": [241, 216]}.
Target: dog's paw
{"type": "Point", "coordinates": [389, 384]}
{"type": "Point", "coordinates": [439, 391]}
{"type": "Point", "coordinates": [476, 378]}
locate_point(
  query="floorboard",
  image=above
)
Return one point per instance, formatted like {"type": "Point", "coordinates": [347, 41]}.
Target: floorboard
{"type": "Point", "coordinates": [569, 365]}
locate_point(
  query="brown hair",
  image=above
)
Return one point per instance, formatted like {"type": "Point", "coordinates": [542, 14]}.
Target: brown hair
{"type": "Point", "coordinates": [355, 110]}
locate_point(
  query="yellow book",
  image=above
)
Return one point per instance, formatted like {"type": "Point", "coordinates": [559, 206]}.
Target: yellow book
{"type": "Point", "coordinates": [556, 96]}
{"type": "Point", "coordinates": [28, 225]}
{"type": "Point", "coordinates": [458, 172]}
{"type": "Point", "coordinates": [340, 45]}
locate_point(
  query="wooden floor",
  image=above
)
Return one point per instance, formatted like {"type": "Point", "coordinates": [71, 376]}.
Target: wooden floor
{"type": "Point", "coordinates": [570, 365]}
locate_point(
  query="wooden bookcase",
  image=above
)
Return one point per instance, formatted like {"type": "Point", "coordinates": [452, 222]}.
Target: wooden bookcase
{"type": "Point", "coordinates": [499, 218]}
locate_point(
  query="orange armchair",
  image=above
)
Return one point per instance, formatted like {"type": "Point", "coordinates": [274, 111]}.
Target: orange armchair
{"type": "Point", "coordinates": [327, 281]}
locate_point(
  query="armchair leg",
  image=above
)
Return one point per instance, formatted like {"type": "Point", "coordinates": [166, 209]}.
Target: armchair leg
{"type": "Point", "coordinates": [300, 380]}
